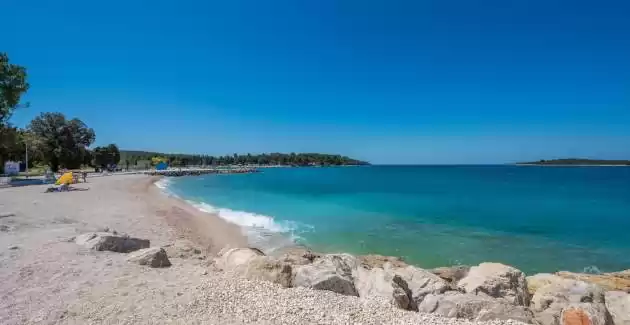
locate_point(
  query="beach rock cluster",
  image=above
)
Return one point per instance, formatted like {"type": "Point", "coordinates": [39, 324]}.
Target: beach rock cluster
{"type": "Point", "coordinates": [139, 250]}
{"type": "Point", "coordinates": [489, 291]}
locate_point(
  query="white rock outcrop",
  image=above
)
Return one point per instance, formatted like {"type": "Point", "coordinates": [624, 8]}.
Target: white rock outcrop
{"type": "Point", "coordinates": [473, 307]}
{"type": "Point", "coordinates": [381, 283]}
{"type": "Point", "coordinates": [498, 281]}
{"type": "Point", "coordinates": [549, 300]}
{"type": "Point", "coordinates": [333, 272]}
{"type": "Point", "coordinates": [153, 257]}
{"type": "Point", "coordinates": [420, 282]}
{"type": "Point", "coordinates": [618, 304]}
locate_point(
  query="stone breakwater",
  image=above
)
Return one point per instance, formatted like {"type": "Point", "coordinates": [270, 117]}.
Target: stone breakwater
{"type": "Point", "coordinates": [486, 292]}
{"type": "Point", "coordinates": [200, 171]}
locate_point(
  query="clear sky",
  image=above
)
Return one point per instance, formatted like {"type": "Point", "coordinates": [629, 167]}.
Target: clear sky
{"type": "Point", "coordinates": [387, 81]}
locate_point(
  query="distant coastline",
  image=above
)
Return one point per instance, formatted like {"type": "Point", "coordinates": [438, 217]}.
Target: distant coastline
{"type": "Point", "coordinates": [577, 162]}
{"type": "Point", "coordinates": [144, 158]}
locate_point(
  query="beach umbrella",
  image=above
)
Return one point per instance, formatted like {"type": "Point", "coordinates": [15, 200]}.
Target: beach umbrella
{"type": "Point", "coordinates": [65, 179]}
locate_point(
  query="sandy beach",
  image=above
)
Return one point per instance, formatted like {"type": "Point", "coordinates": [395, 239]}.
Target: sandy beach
{"type": "Point", "coordinates": [47, 278]}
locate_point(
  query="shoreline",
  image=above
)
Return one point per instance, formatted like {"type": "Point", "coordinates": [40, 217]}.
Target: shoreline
{"type": "Point", "coordinates": [270, 242]}
{"type": "Point", "coordinates": [294, 245]}
{"type": "Point", "coordinates": [207, 230]}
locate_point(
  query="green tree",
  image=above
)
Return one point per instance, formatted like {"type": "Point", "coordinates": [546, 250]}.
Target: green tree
{"type": "Point", "coordinates": [106, 156]}
{"type": "Point", "coordinates": [13, 85]}
{"type": "Point", "coordinates": [62, 142]}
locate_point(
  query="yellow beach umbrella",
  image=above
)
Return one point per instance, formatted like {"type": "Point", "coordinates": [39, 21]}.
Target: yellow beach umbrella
{"type": "Point", "coordinates": [65, 179]}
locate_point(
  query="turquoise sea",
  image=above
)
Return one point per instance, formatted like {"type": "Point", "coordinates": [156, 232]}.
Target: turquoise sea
{"type": "Point", "coordinates": [539, 219]}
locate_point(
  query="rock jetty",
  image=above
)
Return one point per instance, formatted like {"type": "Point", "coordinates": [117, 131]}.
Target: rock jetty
{"type": "Point", "coordinates": [200, 171]}
{"type": "Point", "coordinates": [486, 292]}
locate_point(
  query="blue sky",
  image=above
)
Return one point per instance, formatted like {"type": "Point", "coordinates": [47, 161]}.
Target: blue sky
{"type": "Point", "coordinates": [387, 81]}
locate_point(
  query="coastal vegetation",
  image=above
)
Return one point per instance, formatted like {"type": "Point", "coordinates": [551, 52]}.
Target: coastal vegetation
{"type": "Point", "coordinates": [264, 159]}
{"type": "Point", "coordinates": [578, 161]}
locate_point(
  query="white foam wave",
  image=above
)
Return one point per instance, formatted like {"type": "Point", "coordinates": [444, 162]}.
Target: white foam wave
{"type": "Point", "coordinates": [262, 231]}
{"type": "Point", "coordinates": [245, 219]}
{"type": "Point", "coordinates": [163, 183]}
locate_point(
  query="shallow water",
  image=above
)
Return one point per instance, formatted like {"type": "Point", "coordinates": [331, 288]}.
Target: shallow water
{"type": "Point", "coordinates": [539, 219]}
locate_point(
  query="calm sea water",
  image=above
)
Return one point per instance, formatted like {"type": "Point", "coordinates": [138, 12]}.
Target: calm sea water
{"type": "Point", "coordinates": [535, 218]}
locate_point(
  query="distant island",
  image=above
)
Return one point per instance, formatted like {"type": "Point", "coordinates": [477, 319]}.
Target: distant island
{"type": "Point", "coordinates": [133, 158]}
{"type": "Point", "coordinates": [577, 162]}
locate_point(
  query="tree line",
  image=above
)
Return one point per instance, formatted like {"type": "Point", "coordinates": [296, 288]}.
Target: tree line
{"type": "Point", "coordinates": [56, 141]}
{"type": "Point", "coordinates": [578, 161]}
{"type": "Point", "coordinates": [265, 159]}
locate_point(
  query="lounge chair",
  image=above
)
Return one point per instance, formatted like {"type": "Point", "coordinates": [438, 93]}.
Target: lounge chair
{"type": "Point", "coordinates": [58, 188]}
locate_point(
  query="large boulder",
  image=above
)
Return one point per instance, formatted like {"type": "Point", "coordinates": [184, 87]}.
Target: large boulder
{"type": "Point", "coordinates": [297, 255]}
{"type": "Point", "coordinates": [382, 283]}
{"type": "Point", "coordinates": [536, 281]}
{"type": "Point", "coordinates": [374, 261]}
{"type": "Point", "coordinates": [331, 272]}
{"type": "Point", "coordinates": [232, 258]}
{"type": "Point", "coordinates": [452, 274]}
{"type": "Point", "coordinates": [153, 257]}
{"type": "Point", "coordinates": [104, 241]}
{"type": "Point", "coordinates": [473, 307]}
{"type": "Point", "coordinates": [618, 305]}
{"type": "Point", "coordinates": [550, 300]}
{"type": "Point", "coordinates": [585, 314]}
{"type": "Point", "coordinates": [266, 268]}
{"type": "Point", "coordinates": [609, 281]}
{"type": "Point", "coordinates": [183, 248]}
{"type": "Point", "coordinates": [565, 291]}
{"type": "Point", "coordinates": [498, 281]}
{"type": "Point", "coordinates": [420, 282]}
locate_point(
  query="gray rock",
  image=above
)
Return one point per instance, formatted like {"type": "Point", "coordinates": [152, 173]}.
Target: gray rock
{"type": "Point", "coordinates": [539, 280]}
{"type": "Point", "coordinates": [153, 257]}
{"type": "Point", "coordinates": [102, 241]}
{"type": "Point", "coordinates": [267, 269]}
{"type": "Point", "coordinates": [374, 261]}
{"type": "Point", "coordinates": [232, 258]}
{"type": "Point", "coordinates": [420, 282]}
{"type": "Point", "coordinates": [330, 272]}
{"type": "Point", "coordinates": [585, 314]}
{"type": "Point", "coordinates": [473, 307]}
{"type": "Point", "coordinates": [381, 283]}
{"type": "Point", "coordinates": [452, 274]}
{"type": "Point", "coordinates": [297, 256]}
{"type": "Point", "coordinates": [182, 248]}
{"type": "Point", "coordinates": [618, 305]}
{"type": "Point", "coordinates": [498, 281]}
{"type": "Point", "coordinates": [549, 300]}
{"type": "Point", "coordinates": [564, 292]}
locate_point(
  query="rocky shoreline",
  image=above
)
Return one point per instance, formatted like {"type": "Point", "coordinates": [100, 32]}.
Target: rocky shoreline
{"type": "Point", "coordinates": [481, 293]}
{"type": "Point", "coordinates": [489, 291]}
